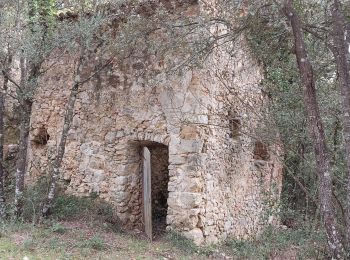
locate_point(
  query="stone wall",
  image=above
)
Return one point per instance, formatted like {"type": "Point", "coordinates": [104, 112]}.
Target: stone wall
{"type": "Point", "coordinates": [216, 186]}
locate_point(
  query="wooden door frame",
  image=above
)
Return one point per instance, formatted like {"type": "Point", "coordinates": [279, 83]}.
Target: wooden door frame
{"type": "Point", "coordinates": [147, 192]}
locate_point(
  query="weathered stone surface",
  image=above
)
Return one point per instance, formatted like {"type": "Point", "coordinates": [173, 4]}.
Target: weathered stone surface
{"type": "Point", "coordinates": [196, 235]}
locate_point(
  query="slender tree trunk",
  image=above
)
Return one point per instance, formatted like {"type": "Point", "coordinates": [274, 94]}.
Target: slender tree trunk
{"type": "Point", "coordinates": [22, 155]}
{"type": "Point", "coordinates": [56, 165]}
{"type": "Point", "coordinates": [2, 191]}
{"type": "Point", "coordinates": [68, 119]}
{"type": "Point", "coordinates": [40, 15]}
{"type": "Point", "coordinates": [340, 54]}
{"type": "Point", "coordinates": [28, 85]}
{"type": "Point", "coordinates": [2, 137]}
{"type": "Point", "coordinates": [316, 130]}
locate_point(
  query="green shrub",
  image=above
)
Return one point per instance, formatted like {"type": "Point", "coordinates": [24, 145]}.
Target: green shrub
{"type": "Point", "coordinates": [58, 228]}
{"type": "Point", "coordinates": [29, 244]}
{"type": "Point", "coordinates": [67, 207]}
{"type": "Point", "coordinates": [95, 242]}
{"type": "Point", "coordinates": [188, 246]}
{"type": "Point", "coordinates": [273, 241]}
{"type": "Point", "coordinates": [182, 243]}
{"type": "Point", "coordinates": [34, 197]}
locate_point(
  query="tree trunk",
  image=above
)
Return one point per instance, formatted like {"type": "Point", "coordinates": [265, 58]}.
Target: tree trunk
{"type": "Point", "coordinates": [340, 54]}
{"type": "Point", "coordinates": [26, 112]}
{"type": "Point", "coordinates": [2, 137]}
{"type": "Point", "coordinates": [316, 130]}
{"type": "Point", "coordinates": [26, 91]}
{"type": "Point", "coordinates": [28, 86]}
{"type": "Point", "coordinates": [2, 192]}
{"type": "Point", "coordinates": [56, 165]}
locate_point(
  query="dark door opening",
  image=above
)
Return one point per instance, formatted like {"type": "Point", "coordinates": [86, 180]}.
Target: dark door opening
{"type": "Point", "coordinates": [155, 189]}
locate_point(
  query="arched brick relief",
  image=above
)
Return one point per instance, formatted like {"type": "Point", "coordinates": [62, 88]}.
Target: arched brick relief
{"type": "Point", "coordinates": [150, 137]}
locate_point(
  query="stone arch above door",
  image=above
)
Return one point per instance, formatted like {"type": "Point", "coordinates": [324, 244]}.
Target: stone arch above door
{"type": "Point", "coordinates": [144, 137]}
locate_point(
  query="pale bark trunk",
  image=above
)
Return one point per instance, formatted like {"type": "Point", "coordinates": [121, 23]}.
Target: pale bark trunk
{"type": "Point", "coordinates": [2, 136]}
{"type": "Point", "coordinates": [26, 92]}
{"type": "Point", "coordinates": [316, 130]}
{"type": "Point", "coordinates": [28, 86]}
{"type": "Point", "coordinates": [56, 165]}
{"type": "Point", "coordinates": [340, 53]}
{"type": "Point", "coordinates": [2, 192]}
{"type": "Point", "coordinates": [22, 155]}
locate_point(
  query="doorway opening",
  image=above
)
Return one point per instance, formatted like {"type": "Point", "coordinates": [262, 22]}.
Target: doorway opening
{"type": "Point", "coordinates": [155, 188]}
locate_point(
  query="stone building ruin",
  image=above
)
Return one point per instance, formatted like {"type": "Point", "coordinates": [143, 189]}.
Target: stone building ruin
{"type": "Point", "coordinates": [206, 180]}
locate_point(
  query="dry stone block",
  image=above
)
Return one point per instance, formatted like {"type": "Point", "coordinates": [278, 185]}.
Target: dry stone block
{"type": "Point", "coordinates": [196, 235]}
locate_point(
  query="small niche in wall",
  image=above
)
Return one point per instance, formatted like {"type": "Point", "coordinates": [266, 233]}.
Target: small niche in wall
{"type": "Point", "coordinates": [261, 151]}
{"type": "Point", "coordinates": [234, 125]}
{"type": "Point", "coordinates": [41, 137]}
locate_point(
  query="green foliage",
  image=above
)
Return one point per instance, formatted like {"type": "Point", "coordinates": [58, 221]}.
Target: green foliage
{"type": "Point", "coordinates": [181, 242]}
{"type": "Point", "coordinates": [71, 207]}
{"type": "Point", "coordinates": [96, 242]}
{"type": "Point", "coordinates": [29, 244]}
{"type": "Point", "coordinates": [302, 243]}
{"type": "Point", "coordinates": [271, 43]}
{"type": "Point", "coordinates": [33, 197]}
{"type": "Point", "coordinates": [42, 11]}
{"type": "Point", "coordinates": [66, 207]}
{"type": "Point", "coordinates": [188, 246]}
{"type": "Point", "coordinates": [58, 228]}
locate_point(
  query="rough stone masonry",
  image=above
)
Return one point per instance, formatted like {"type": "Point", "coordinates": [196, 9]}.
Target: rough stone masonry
{"type": "Point", "coordinates": [222, 179]}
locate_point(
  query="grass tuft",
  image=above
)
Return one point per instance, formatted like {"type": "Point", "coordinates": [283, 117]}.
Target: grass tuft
{"type": "Point", "coordinates": [272, 242]}
{"type": "Point", "coordinates": [182, 243]}
{"type": "Point", "coordinates": [96, 242]}
{"type": "Point", "coordinates": [58, 228]}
